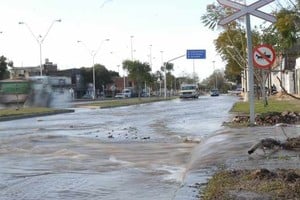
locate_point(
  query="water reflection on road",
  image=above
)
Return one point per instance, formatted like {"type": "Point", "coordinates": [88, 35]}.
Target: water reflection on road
{"type": "Point", "coordinates": [149, 151]}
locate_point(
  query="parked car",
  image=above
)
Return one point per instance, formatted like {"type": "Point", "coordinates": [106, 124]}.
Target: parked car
{"type": "Point", "coordinates": [120, 95]}
{"type": "Point", "coordinates": [127, 92]}
{"type": "Point", "coordinates": [87, 96]}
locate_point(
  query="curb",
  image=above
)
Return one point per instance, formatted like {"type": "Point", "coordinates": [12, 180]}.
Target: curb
{"type": "Point", "coordinates": [9, 118]}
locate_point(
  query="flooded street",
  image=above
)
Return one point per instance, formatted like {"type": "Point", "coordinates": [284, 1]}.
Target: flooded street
{"type": "Point", "coordinates": [142, 152]}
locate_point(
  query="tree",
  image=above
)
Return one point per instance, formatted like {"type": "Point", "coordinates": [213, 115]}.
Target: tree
{"type": "Point", "coordinates": [139, 72]}
{"type": "Point", "coordinates": [231, 43]}
{"type": "Point", "coordinates": [288, 27]}
{"type": "Point", "coordinates": [170, 81]}
{"type": "Point", "coordinates": [216, 80]}
{"type": "Point", "coordinates": [102, 76]}
{"type": "Point", "coordinates": [285, 32]}
{"type": "Point", "coordinates": [169, 67]}
{"type": "Point", "coordinates": [170, 78]}
{"type": "Point", "coordinates": [187, 79]}
{"type": "Point", "coordinates": [4, 73]}
{"type": "Point", "coordinates": [214, 13]}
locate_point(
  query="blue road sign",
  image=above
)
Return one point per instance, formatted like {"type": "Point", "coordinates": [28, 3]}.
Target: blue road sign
{"type": "Point", "coordinates": [196, 54]}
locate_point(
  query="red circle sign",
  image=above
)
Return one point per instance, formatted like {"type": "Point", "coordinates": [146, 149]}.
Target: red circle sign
{"type": "Point", "coordinates": [263, 56]}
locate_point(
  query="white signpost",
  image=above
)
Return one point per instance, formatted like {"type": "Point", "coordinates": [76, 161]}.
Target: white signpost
{"type": "Point", "coordinates": [241, 11]}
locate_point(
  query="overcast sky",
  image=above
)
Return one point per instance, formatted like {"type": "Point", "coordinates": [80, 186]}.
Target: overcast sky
{"type": "Point", "coordinates": [171, 26]}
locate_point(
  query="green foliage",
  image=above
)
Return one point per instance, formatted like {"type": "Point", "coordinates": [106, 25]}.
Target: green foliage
{"type": "Point", "coordinates": [139, 72]}
{"type": "Point", "coordinates": [288, 27]}
{"type": "Point", "coordinates": [170, 81]}
{"type": "Point", "coordinates": [4, 74]}
{"type": "Point", "coordinates": [211, 18]}
{"type": "Point", "coordinates": [214, 13]}
{"type": "Point", "coordinates": [273, 106]}
{"type": "Point", "coordinates": [24, 111]}
{"type": "Point", "coordinates": [231, 43]}
{"type": "Point", "coordinates": [272, 185]}
{"type": "Point", "coordinates": [216, 80]}
{"type": "Point", "coordinates": [170, 67]}
{"type": "Point", "coordinates": [218, 185]}
{"type": "Point", "coordinates": [232, 46]}
{"type": "Point", "coordinates": [102, 75]}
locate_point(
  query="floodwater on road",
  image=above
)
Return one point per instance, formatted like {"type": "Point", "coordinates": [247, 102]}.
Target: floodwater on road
{"type": "Point", "coordinates": [142, 152]}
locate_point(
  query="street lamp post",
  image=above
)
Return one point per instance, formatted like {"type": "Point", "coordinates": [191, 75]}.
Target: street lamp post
{"type": "Point", "coordinates": [150, 56]}
{"type": "Point", "coordinates": [93, 54]}
{"type": "Point", "coordinates": [40, 40]}
{"type": "Point", "coordinates": [216, 77]}
{"type": "Point", "coordinates": [165, 74]}
{"type": "Point", "coordinates": [131, 37]}
{"type": "Point", "coordinates": [165, 67]}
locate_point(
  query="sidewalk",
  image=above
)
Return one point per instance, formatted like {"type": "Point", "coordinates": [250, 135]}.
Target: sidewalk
{"type": "Point", "coordinates": [227, 151]}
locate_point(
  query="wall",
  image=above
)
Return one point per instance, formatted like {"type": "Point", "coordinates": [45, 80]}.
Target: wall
{"type": "Point", "coordinates": [297, 76]}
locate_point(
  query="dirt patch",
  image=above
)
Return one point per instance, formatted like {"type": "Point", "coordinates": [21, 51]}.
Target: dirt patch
{"type": "Point", "coordinates": [292, 144]}
{"type": "Point", "coordinates": [271, 174]}
{"type": "Point", "coordinates": [266, 119]}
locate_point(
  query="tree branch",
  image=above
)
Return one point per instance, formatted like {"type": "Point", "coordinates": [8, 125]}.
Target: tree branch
{"type": "Point", "coordinates": [284, 90]}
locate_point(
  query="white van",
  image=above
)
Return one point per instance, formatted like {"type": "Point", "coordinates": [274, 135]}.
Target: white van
{"type": "Point", "coordinates": [189, 91]}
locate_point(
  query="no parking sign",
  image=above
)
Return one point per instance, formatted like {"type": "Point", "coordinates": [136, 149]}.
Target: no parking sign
{"type": "Point", "coordinates": [264, 56]}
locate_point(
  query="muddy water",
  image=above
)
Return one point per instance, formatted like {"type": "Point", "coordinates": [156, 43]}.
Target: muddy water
{"type": "Point", "coordinates": [149, 151]}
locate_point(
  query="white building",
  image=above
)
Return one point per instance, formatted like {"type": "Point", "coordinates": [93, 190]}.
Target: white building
{"type": "Point", "coordinates": [287, 70]}
{"type": "Point", "coordinates": [297, 76]}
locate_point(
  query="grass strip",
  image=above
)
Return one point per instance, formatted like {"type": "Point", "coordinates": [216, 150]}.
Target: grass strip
{"type": "Point", "coordinates": [273, 106]}
{"type": "Point", "coordinates": [280, 184]}
{"type": "Point", "coordinates": [24, 111]}
{"type": "Point", "coordinates": [13, 113]}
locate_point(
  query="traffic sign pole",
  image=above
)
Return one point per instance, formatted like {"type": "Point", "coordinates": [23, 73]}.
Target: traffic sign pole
{"type": "Point", "coordinates": [241, 11]}
{"type": "Point", "coordinates": [250, 70]}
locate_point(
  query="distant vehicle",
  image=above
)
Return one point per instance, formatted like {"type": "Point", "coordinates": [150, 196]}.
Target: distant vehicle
{"type": "Point", "coordinates": [145, 94]}
{"type": "Point", "coordinates": [214, 92]}
{"type": "Point", "coordinates": [238, 91]}
{"type": "Point", "coordinates": [127, 92]}
{"type": "Point", "coordinates": [189, 91]}
{"type": "Point", "coordinates": [87, 96]}
{"type": "Point", "coordinates": [120, 95]}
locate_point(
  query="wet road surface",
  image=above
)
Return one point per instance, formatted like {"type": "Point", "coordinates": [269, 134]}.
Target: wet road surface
{"type": "Point", "coordinates": [151, 151]}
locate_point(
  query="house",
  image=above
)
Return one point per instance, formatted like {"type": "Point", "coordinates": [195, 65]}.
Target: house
{"type": "Point", "coordinates": [287, 70]}
{"type": "Point", "coordinates": [50, 69]}
{"type": "Point", "coordinates": [28, 71]}
{"type": "Point", "coordinates": [118, 84]}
